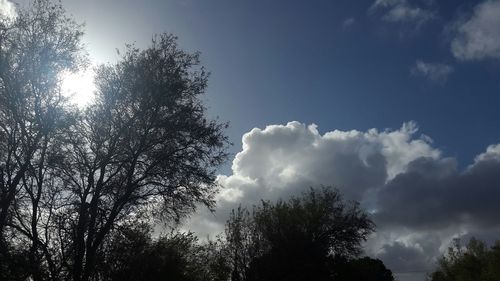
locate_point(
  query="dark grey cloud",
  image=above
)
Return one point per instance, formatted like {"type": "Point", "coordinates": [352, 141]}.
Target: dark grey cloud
{"type": "Point", "coordinates": [433, 194]}
{"type": "Point", "coordinates": [418, 257]}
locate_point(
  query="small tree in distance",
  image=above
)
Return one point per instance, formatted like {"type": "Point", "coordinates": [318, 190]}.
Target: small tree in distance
{"type": "Point", "coordinates": [473, 262]}
{"type": "Point", "coordinates": [365, 269]}
{"type": "Point", "coordinates": [132, 254]}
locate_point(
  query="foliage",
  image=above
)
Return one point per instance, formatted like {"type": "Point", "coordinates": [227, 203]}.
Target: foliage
{"type": "Point", "coordinates": [295, 239]}
{"type": "Point", "coordinates": [133, 255]}
{"type": "Point", "coordinates": [366, 269]}
{"type": "Point", "coordinates": [474, 262]}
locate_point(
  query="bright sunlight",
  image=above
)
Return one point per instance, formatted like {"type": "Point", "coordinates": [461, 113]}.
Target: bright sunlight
{"type": "Point", "coordinates": [79, 86]}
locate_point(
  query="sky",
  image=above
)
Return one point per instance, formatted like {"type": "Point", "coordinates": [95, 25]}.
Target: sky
{"type": "Point", "coordinates": [394, 102]}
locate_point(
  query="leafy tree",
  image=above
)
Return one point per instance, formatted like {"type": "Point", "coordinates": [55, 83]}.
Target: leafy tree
{"type": "Point", "coordinates": [296, 239]}
{"type": "Point", "coordinates": [474, 262]}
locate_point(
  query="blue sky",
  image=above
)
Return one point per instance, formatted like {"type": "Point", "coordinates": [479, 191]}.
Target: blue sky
{"type": "Point", "coordinates": [277, 61]}
{"type": "Point", "coordinates": [423, 73]}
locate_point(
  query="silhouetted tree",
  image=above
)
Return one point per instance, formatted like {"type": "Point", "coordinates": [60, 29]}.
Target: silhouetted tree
{"type": "Point", "coordinates": [243, 242]}
{"type": "Point", "coordinates": [144, 145]}
{"type": "Point", "coordinates": [132, 255]}
{"type": "Point", "coordinates": [365, 269]}
{"type": "Point", "coordinates": [36, 46]}
{"type": "Point", "coordinates": [474, 262]}
{"type": "Point", "coordinates": [13, 263]}
{"type": "Point", "coordinates": [142, 148]}
{"type": "Point", "coordinates": [295, 239]}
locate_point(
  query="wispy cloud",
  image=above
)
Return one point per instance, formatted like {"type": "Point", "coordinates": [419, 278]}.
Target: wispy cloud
{"type": "Point", "coordinates": [401, 11]}
{"type": "Point", "coordinates": [479, 36]}
{"type": "Point", "coordinates": [436, 72]}
{"type": "Point", "coordinates": [348, 22]}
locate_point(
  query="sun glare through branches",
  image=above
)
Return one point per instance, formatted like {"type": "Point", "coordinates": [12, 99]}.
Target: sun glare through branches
{"type": "Point", "coordinates": [79, 86]}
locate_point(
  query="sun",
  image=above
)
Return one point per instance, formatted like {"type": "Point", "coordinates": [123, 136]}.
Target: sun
{"type": "Point", "coordinates": [79, 86]}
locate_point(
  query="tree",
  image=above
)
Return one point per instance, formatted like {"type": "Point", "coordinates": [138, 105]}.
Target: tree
{"type": "Point", "coordinates": [35, 47]}
{"type": "Point", "coordinates": [13, 263]}
{"type": "Point", "coordinates": [296, 239]}
{"type": "Point", "coordinates": [68, 178]}
{"type": "Point", "coordinates": [473, 262]}
{"type": "Point", "coordinates": [366, 269]}
{"type": "Point", "coordinates": [143, 145]}
{"type": "Point", "coordinates": [243, 242]}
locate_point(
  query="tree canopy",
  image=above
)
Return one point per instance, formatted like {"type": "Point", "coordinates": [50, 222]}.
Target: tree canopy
{"type": "Point", "coordinates": [296, 239]}
{"type": "Point", "coordinates": [475, 261]}
{"type": "Point", "coordinates": [245, 252]}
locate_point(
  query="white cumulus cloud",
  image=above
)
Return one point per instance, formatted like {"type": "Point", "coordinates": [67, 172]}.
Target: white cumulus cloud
{"type": "Point", "coordinates": [283, 160]}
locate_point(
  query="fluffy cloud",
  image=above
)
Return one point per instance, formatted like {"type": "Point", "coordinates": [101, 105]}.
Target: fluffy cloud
{"type": "Point", "coordinates": [436, 72]}
{"type": "Point", "coordinates": [479, 36]}
{"type": "Point", "coordinates": [283, 160]}
{"type": "Point", "coordinates": [401, 11]}
{"type": "Point", "coordinates": [419, 199]}
{"type": "Point", "coordinates": [433, 194]}
{"type": "Point", "coordinates": [7, 9]}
